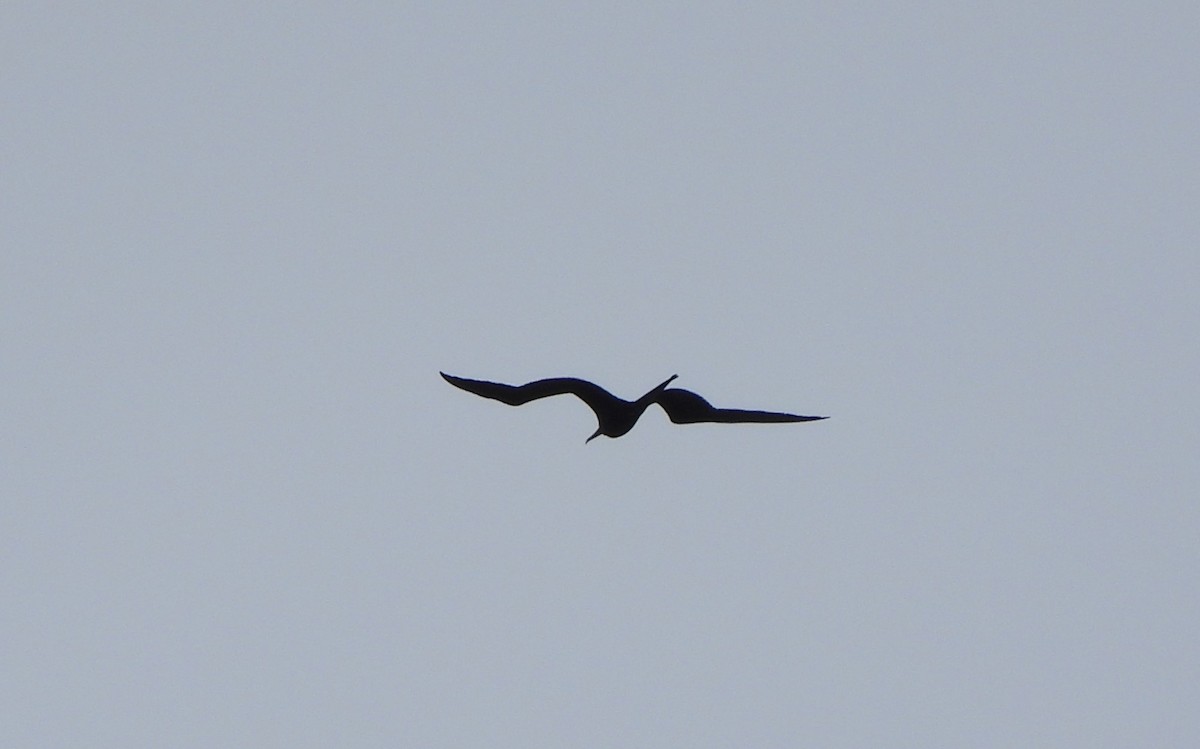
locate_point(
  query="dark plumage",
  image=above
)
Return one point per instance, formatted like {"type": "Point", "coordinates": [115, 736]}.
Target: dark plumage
{"type": "Point", "coordinates": [617, 416]}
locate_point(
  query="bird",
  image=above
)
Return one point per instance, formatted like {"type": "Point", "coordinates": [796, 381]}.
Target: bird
{"type": "Point", "coordinates": [617, 416]}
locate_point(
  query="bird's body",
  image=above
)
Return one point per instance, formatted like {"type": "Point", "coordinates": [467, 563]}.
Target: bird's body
{"type": "Point", "coordinates": [617, 416]}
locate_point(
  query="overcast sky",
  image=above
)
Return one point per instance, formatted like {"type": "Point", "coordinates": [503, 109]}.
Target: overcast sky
{"type": "Point", "coordinates": [240, 508]}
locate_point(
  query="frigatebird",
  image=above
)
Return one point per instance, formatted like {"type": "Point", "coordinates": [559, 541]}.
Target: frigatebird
{"type": "Point", "coordinates": [616, 415]}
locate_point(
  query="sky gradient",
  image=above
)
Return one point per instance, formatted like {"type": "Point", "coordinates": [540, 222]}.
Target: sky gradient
{"type": "Point", "coordinates": [239, 507]}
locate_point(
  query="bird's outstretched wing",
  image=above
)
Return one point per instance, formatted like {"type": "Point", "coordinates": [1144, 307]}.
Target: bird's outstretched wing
{"type": "Point", "coordinates": [597, 398]}
{"type": "Point", "coordinates": [686, 407]}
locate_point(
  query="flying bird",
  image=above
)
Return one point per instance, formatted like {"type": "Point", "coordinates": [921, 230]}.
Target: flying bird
{"type": "Point", "coordinates": [617, 416]}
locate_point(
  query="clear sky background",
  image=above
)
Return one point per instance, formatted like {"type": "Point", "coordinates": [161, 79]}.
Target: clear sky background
{"type": "Point", "coordinates": [239, 508]}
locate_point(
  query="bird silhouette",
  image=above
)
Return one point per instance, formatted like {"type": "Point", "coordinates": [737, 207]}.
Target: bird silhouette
{"type": "Point", "coordinates": [617, 416]}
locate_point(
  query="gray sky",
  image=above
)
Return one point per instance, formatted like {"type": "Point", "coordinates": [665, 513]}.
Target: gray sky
{"type": "Point", "coordinates": [240, 508]}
